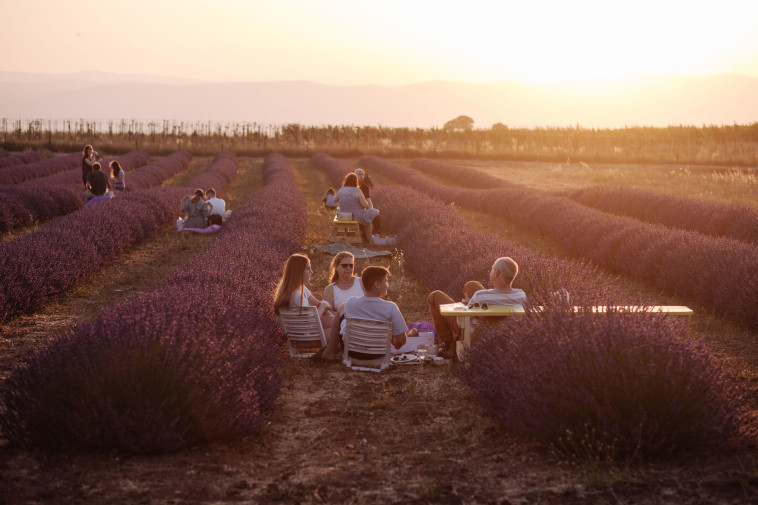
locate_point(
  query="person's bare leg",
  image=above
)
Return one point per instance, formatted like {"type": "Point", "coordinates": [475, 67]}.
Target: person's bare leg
{"type": "Point", "coordinates": [369, 230]}
{"type": "Point", "coordinates": [333, 337]}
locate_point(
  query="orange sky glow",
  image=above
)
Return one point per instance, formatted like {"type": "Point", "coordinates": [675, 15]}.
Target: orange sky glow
{"type": "Point", "coordinates": [386, 43]}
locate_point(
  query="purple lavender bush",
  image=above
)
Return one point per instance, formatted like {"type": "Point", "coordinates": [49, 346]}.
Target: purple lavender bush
{"type": "Point", "coordinates": [20, 173]}
{"type": "Point", "coordinates": [155, 173]}
{"type": "Point", "coordinates": [711, 218]}
{"type": "Point", "coordinates": [20, 159]}
{"type": "Point", "coordinates": [194, 360]}
{"type": "Point", "coordinates": [606, 388]}
{"type": "Point", "coordinates": [462, 176]}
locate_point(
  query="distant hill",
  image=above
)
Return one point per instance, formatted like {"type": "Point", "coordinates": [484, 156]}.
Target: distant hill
{"type": "Point", "coordinates": [644, 101]}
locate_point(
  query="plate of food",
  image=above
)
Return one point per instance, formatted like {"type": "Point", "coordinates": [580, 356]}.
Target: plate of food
{"type": "Point", "coordinates": [406, 358]}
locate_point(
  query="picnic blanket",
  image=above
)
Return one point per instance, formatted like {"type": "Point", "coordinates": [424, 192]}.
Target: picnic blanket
{"type": "Point", "coordinates": [98, 199]}
{"type": "Point", "coordinates": [358, 252]}
{"type": "Point", "coordinates": [210, 229]}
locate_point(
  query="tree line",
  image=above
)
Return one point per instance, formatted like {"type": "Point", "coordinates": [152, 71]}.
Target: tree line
{"type": "Point", "coordinates": [732, 145]}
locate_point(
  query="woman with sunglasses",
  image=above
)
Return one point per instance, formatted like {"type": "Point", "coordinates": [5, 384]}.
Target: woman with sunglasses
{"type": "Point", "coordinates": [292, 290]}
{"type": "Point", "coordinates": [343, 282]}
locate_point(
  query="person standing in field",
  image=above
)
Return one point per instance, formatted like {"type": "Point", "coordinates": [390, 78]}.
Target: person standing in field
{"type": "Point", "coordinates": [89, 158]}
{"type": "Point", "coordinates": [503, 272]}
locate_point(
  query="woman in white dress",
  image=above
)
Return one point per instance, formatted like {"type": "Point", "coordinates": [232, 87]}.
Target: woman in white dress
{"type": "Point", "coordinates": [343, 282]}
{"type": "Point", "coordinates": [292, 290]}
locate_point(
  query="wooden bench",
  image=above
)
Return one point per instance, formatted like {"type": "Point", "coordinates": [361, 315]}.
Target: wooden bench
{"type": "Point", "coordinates": [464, 314]}
{"type": "Point", "coordinates": [346, 230]}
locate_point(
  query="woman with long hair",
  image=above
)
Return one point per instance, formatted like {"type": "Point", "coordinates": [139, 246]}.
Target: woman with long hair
{"type": "Point", "coordinates": [293, 292]}
{"type": "Point", "coordinates": [351, 199]}
{"type": "Point", "coordinates": [196, 208]}
{"type": "Point", "coordinates": [118, 178]}
{"type": "Point", "coordinates": [343, 283]}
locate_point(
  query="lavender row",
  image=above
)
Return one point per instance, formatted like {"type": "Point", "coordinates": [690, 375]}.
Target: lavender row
{"type": "Point", "coordinates": [444, 250]}
{"type": "Point", "coordinates": [462, 176]}
{"type": "Point", "coordinates": [156, 173]}
{"type": "Point", "coordinates": [20, 159]}
{"type": "Point", "coordinates": [52, 196]}
{"type": "Point", "coordinates": [57, 258]}
{"type": "Point", "coordinates": [194, 360]}
{"type": "Point", "coordinates": [711, 218]}
{"type": "Point", "coordinates": [615, 388]}
{"type": "Point", "coordinates": [21, 173]}
{"type": "Point", "coordinates": [718, 273]}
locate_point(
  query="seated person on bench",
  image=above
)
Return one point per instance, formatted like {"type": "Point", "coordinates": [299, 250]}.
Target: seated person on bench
{"type": "Point", "coordinates": [503, 272]}
{"type": "Point", "coordinates": [375, 279]}
{"type": "Point", "coordinates": [328, 199]}
{"type": "Point", "coordinates": [365, 183]}
{"type": "Point", "coordinates": [351, 199]}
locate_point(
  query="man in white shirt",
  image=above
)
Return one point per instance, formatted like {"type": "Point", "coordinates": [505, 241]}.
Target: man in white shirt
{"type": "Point", "coordinates": [375, 281]}
{"type": "Point", "coordinates": [503, 272]}
{"type": "Point", "coordinates": [218, 206]}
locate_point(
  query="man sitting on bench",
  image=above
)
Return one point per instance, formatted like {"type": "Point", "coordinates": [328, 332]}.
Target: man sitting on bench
{"type": "Point", "coordinates": [503, 272]}
{"type": "Point", "coordinates": [375, 281]}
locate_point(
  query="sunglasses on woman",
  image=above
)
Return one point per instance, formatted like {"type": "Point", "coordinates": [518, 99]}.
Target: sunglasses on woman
{"type": "Point", "coordinates": [347, 265]}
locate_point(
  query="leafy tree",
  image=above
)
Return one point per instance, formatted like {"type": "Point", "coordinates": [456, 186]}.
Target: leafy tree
{"type": "Point", "coordinates": [461, 123]}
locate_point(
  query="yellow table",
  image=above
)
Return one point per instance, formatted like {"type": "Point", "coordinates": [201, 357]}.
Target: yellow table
{"type": "Point", "coordinates": [464, 314]}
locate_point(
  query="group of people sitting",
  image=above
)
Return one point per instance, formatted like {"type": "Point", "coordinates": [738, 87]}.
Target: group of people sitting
{"type": "Point", "coordinates": [349, 296]}
{"type": "Point", "coordinates": [354, 196]}
{"type": "Point", "coordinates": [203, 209]}
{"type": "Point", "coordinates": [96, 183]}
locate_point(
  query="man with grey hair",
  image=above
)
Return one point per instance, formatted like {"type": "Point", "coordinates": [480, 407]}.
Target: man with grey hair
{"type": "Point", "coordinates": [365, 183]}
{"type": "Point", "coordinates": [504, 271]}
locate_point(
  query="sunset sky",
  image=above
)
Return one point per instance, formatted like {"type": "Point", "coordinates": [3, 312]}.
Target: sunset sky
{"type": "Point", "coordinates": [390, 42]}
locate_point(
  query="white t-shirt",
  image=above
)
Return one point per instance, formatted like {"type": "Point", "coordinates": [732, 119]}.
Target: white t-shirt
{"type": "Point", "coordinates": [219, 206]}
{"type": "Point", "coordinates": [341, 295]}
{"type": "Point", "coordinates": [497, 297]}
{"type": "Point", "coordinates": [295, 298]}
{"type": "Point", "coordinates": [373, 307]}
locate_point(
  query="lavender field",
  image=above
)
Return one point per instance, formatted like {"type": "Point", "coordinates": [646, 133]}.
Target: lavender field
{"type": "Point", "coordinates": [187, 371]}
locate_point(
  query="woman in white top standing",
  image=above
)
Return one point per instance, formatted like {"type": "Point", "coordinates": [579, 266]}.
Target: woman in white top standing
{"type": "Point", "coordinates": [292, 292]}
{"type": "Point", "coordinates": [344, 283]}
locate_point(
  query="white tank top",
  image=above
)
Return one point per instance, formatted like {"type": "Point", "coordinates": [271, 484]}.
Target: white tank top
{"type": "Point", "coordinates": [341, 295]}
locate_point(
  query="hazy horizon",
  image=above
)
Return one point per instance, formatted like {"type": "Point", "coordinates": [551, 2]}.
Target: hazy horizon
{"type": "Point", "coordinates": [609, 103]}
